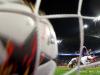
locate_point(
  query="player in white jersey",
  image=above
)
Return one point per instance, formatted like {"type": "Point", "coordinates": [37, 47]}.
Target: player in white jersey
{"type": "Point", "coordinates": [87, 59]}
{"type": "Point", "coordinates": [73, 62]}
{"type": "Point", "coordinates": [84, 61]}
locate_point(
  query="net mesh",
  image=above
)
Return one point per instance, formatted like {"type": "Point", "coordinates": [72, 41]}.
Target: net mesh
{"type": "Point", "coordinates": [81, 28]}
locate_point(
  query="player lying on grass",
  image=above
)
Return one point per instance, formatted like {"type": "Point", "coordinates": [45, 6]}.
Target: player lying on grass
{"type": "Point", "coordinates": [84, 61]}
{"type": "Point", "coordinates": [73, 62]}
{"type": "Point", "coordinates": [88, 59]}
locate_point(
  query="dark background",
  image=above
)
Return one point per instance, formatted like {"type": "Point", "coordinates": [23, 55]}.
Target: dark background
{"type": "Point", "coordinates": [67, 29]}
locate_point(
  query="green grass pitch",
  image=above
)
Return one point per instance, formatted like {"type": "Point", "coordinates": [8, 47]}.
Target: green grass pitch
{"type": "Point", "coordinates": [88, 71]}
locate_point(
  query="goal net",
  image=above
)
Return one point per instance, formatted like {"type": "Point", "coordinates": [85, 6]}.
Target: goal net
{"type": "Point", "coordinates": [81, 30]}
